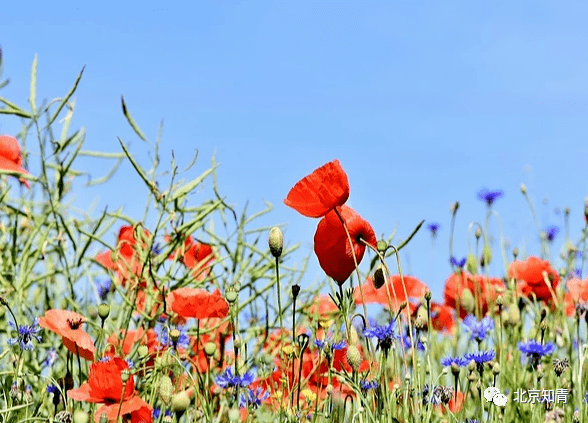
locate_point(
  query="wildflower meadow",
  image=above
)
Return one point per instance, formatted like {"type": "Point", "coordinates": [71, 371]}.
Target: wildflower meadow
{"type": "Point", "coordinates": [195, 313]}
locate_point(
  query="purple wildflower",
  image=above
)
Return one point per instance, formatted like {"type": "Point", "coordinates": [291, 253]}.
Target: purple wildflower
{"type": "Point", "coordinates": [489, 196]}
{"type": "Point", "coordinates": [479, 329]}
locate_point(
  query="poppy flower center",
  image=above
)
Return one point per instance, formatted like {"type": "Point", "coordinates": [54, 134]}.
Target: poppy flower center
{"type": "Point", "coordinates": [75, 323]}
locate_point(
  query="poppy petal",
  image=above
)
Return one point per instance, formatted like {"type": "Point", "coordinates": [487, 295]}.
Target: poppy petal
{"type": "Point", "coordinates": [323, 190]}
{"type": "Point", "coordinates": [198, 303]}
{"type": "Point", "coordinates": [331, 244]}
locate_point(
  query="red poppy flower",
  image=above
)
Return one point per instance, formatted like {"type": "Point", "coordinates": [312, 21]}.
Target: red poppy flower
{"type": "Point", "coordinates": [321, 191]}
{"type": "Point", "coordinates": [529, 275]}
{"type": "Point", "coordinates": [323, 307]}
{"type": "Point", "coordinates": [194, 255]}
{"type": "Point", "coordinates": [198, 303]}
{"type": "Point", "coordinates": [414, 289]}
{"type": "Point", "coordinates": [11, 158]}
{"type": "Point", "coordinates": [68, 325]}
{"type": "Point", "coordinates": [126, 260]}
{"type": "Point", "coordinates": [442, 317]}
{"type": "Point", "coordinates": [577, 294]}
{"type": "Point", "coordinates": [105, 386]}
{"type": "Point", "coordinates": [482, 288]}
{"type": "Point", "coordinates": [331, 244]}
{"type": "Point", "coordinates": [132, 337]}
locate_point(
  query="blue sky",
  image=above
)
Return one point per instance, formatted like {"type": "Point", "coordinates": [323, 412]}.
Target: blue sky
{"type": "Point", "coordinates": [423, 104]}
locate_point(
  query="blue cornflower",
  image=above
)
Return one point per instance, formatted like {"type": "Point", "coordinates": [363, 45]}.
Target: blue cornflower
{"type": "Point", "coordinates": [52, 389]}
{"type": "Point", "coordinates": [533, 347]}
{"type": "Point", "coordinates": [26, 334]}
{"type": "Point", "coordinates": [480, 357]}
{"type": "Point", "coordinates": [366, 385]}
{"type": "Point", "coordinates": [51, 357]}
{"type": "Point", "coordinates": [253, 397]}
{"type": "Point", "coordinates": [328, 343]}
{"type": "Point", "coordinates": [227, 379]}
{"type": "Point", "coordinates": [551, 232]}
{"type": "Point", "coordinates": [384, 334]}
{"type": "Point", "coordinates": [433, 227]}
{"type": "Point", "coordinates": [408, 344]}
{"type": "Point", "coordinates": [448, 361]}
{"type": "Point", "coordinates": [156, 249]}
{"type": "Point", "coordinates": [103, 287]}
{"type": "Point", "coordinates": [479, 329]}
{"type": "Point", "coordinates": [489, 196]}
{"type": "Point", "coordinates": [586, 398]}
{"type": "Point", "coordinates": [458, 263]}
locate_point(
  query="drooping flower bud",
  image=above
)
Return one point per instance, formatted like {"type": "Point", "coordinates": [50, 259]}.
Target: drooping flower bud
{"type": "Point", "coordinates": [467, 301]}
{"type": "Point", "coordinates": [472, 264]}
{"type": "Point", "coordinates": [379, 278]}
{"type": "Point", "coordinates": [209, 349]}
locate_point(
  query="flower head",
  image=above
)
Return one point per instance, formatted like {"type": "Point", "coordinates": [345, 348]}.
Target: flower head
{"type": "Point", "coordinates": [105, 385]}
{"type": "Point", "coordinates": [458, 263]}
{"type": "Point", "coordinates": [531, 275]}
{"type": "Point", "coordinates": [480, 357]}
{"type": "Point", "coordinates": [320, 192]}
{"type": "Point", "coordinates": [228, 379]}
{"type": "Point", "coordinates": [551, 232]}
{"type": "Point", "coordinates": [433, 227]}
{"type": "Point", "coordinates": [68, 325]}
{"type": "Point", "coordinates": [393, 286]}
{"type": "Point", "coordinates": [533, 347]}
{"type": "Point", "coordinates": [331, 244]}
{"type": "Point", "coordinates": [384, 334]}
{"type": "Point", "coordinates": [479, 329]}
{"type": "Point", "coordinates": [489, 196]}
{"type": "Point", "coordinates": [26, 335]}
{"type": "Point", "coordinates": [198, 303]}
{"type": "Point", "coordinates": [11, 158]}
{"type": "Point", "coordinates": [483, 289]}
{"type": "Point", "coordinates": [253, 397]}
{"type": "Point", "coordinates": [126, 259]}
{"type": "Point", "coordinates": [195, 255]}
{"type": "Point", "coordinates": [459, 361]}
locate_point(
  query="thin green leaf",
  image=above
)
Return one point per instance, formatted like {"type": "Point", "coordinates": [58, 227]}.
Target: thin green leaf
{"type": "Point", "coordinates": [33, 91]}
{"type": "Point", "coordinates": [131, 120]}
{"type": "Point", "coordinates": [187, 188]}
{"type": "Point", "coordinates": [67, 97]}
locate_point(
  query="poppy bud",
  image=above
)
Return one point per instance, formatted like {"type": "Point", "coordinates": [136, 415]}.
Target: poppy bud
{"type": "Point", "coordinates": [166, 389]}
{"type": "Point", "coordinates": [276, 241]}
{"type": "Point", "coordinates": [486, 255]}
{"type": "Point", "coordinates": [428, 295]}
{"type": "Point", "coordinates": [103, 418]}
{"type": "Point", "coordinates": [237, 343]}
{"type": "Point", "coordinates": [180, 403]}
{"type": "Point", "coordinates": [231, 295]}
{"type": "Point", "coordinates": [496, 368]}
{"type": "Point", "coordinates": [478, 233]}
{"type": "Point", "coordinates": [454, 207]}
{"type": "Point", "coordinates": [295, 290]}
{"type": "Point", "coordinates": [467, 300]}
{"type": "Point", "coordinates": [382, 246]}
{"type": "Point", "coordinates": [79, 416]}
{"type": "Point", "coordinates": [143, 350]}
{"type": "Point", "coordinates": [234, 415]}
{"type": "Point", "coordinates": [103, 311]}
{"type": "Point", "coordinates": [353, 337]}
{"type": "Point", "coordinates": [523, 189]}
{"type": "Point", "coordinates": [515, 252]}
{"type": "Point", "coordinates": [174, 335]}
{"type": "Point", "coordinates": [209, 349]}
{"type": "Point", "coordinates": [455, 369]}
{"type": "Point", "coordinates": [124, 376]}
{"type": "Point", "coordinates": [353, 357]}
{"type": "Point", "coordinates": [472, 264]}
{"type": "Point", "coordinates": [379, 278]}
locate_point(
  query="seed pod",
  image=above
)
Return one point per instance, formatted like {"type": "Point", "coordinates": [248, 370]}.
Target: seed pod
{"type": "Point", "coordinates": [353, 357]}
